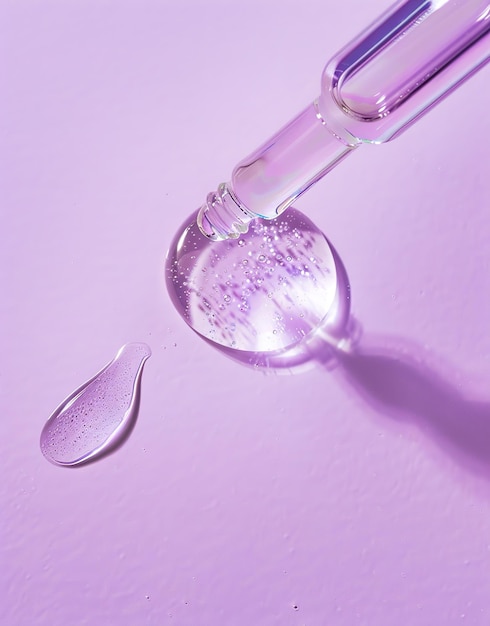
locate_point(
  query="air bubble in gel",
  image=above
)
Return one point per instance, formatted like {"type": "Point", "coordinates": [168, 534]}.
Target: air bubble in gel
{"type": "Point", "coordinates": [98, 416]}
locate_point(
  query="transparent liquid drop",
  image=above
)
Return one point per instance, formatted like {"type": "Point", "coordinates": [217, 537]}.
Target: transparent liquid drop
{"type": "Point", "coordinates": [98, 416]}
{"type": "Point", "coordinates": [258, 297]}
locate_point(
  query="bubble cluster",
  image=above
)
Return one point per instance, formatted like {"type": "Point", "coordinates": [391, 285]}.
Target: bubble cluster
{"type": "Point", "coordinates": [96, 417]}
{"type": "Point", "coordinates": [263, 292]}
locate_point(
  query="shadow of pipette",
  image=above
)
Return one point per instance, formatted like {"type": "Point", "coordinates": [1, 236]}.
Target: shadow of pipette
{"type": "Point", "coordinates": [396, 380]}
{"type": "Point", "coordinates": [399, 383]}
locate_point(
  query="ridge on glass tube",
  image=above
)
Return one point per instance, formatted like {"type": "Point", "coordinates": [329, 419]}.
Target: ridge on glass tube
{"type": "Point", "coordinates": [98, 416]}
{"type": "Point", "coordinates": [395, 71]}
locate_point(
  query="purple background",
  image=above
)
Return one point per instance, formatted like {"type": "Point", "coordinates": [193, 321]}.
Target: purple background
{"type": "Point", "coordinates": [358, 496]}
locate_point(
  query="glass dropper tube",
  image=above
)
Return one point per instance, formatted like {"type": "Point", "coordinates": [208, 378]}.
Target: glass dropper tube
{"type": "Point", "coordinates": [409, 59]}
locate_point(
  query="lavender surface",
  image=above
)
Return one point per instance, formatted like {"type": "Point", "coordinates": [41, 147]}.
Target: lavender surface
{"type": "Point", "coordinates": [353, 496]}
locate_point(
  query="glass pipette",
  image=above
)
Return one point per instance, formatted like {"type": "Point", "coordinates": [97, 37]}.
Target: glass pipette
{"type": "Point", "coordinates": [409, 59]}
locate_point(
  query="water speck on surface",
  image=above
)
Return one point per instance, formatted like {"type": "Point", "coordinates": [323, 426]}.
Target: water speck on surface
{"type": "Point", "coordinates": [98, 416]}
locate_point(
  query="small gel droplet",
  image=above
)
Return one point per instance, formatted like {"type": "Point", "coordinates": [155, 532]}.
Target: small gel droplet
{"type": "Point", "coordinates": [98, 416]}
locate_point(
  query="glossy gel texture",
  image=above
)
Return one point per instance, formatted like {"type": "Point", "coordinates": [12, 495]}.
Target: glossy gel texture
{"type": "Point", "coordinates": [98, 416]}
{"type": "Point", "coordinates": [263, 293]}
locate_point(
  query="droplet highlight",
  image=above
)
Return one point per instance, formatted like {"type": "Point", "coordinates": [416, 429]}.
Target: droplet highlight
{"type": "Point", "coordinates": [97, 417]}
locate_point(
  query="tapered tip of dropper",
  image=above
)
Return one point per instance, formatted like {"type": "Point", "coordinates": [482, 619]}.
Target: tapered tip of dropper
{"type": "Point", "coordinates": [222, 216]}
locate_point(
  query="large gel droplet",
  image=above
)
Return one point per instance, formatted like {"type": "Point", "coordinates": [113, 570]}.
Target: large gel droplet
{"type": "Point", "coordinates": [98, 416]}
{"type": "Point", "coordinates": [260, 298]}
